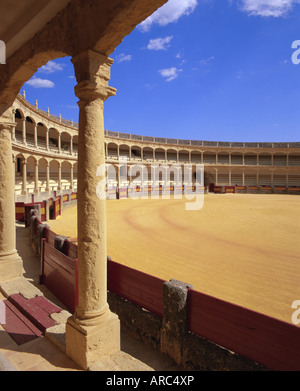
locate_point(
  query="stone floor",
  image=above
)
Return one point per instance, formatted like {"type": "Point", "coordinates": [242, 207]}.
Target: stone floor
{"type": "Point", "coordinates": [43, 355]}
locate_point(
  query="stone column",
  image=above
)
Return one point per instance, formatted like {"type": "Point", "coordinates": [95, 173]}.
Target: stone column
{"type": "Point", "coordinates": [24, 177]}
{"type": "Point", "coordinates": [10, 262]}
{"type": "Point", "coordinates": [24, 131]}
{"type": "Point", "coordinates": [174, 330]}
{"type": "Point", "coordinates": [93, 331]}
{"type": "Point", "coordinates": [59, 177]}
{"type": "Point", "coordinates": [47, 177]}
{"type": "Point", "coordinates": [47, 139]}
{"type": "Point", "coordinates": [36, 178]}
{"type": "Point", "coordinates": [35, 136]}
{"type": "Point", "coordinates": [72, 177]}
{"type": "Point", "coordinates": [59, 142]}
{"type": "Point", "coordinates": [13, 133]}
{"type": "Point", "coordinates": [71, 146]}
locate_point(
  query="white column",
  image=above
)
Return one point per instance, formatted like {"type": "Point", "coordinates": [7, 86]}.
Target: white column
{"type": "Point", "coordinates": [47, 176]}
{"type": "Point", "coordinates": [10, 262]}
{"type": "Point", "coordinates": [24, 177]}
{"type": "Point", "coordinates": [93, 331]}
{"type": "Point", "coordinates": [71, 146]}
{"type": "Point", "coordinates": [72, 176]}
{"type": "Point", "coordinates": [47, 139]}
{"type": "Point", "coordinates": [59, 142]}
{"type": "Point", "coordinates": [35, 136]}
{"type": "Point", "coordinates": [36, 178]}
{"type": "Point", "coordinates": [59, 176]}
{"type": "Point", "coordinates": [24, 131]}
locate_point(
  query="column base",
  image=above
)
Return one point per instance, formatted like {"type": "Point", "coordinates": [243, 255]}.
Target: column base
{"type": "Point", "coordinates": [11, 267]}
{"type": "Point", "coordinates": [86, 345]}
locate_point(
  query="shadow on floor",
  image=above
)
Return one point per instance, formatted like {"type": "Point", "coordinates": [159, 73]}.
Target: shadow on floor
{"type": "Point", "coordinates": [129, 344]}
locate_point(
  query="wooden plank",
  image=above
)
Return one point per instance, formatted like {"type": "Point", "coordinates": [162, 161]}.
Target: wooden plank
{"type": "Point", "coordinates": [49, 236]}
{"type": "Point", "coordinates": [137, 287]}
{"type": "Point", "coordinates": [70, 249]}
{"type": "Point", "coordinates": [33, 312]}
{"type": "Point", "coordinates": [60, 274]}
{"type": "Point", "coordinates": [23, 318]}
{"type": "Point", "coordinates": [268, 341]}
{"type": "Point", "coordinates": [18, 330]}
{"type": "Point", "coordinates": [46, 305]}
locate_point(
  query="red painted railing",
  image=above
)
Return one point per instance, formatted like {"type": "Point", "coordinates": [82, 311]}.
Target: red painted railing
{"type": "Point", "coordinates": [140, 288]}
{"type": "Point", "coordinates": [268, 341]}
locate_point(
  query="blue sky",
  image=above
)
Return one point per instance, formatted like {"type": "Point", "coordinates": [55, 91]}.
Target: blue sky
{"type": "Point", "coordinates": [218, 70]}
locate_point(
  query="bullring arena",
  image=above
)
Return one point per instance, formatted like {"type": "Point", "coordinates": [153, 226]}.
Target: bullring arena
{"type": "Point", "coordinates": [212, 288]}
{"type": "Point", "coordinates": [241, 246]}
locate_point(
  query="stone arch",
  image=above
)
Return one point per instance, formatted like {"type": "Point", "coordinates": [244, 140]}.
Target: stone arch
{"type": "Point", "coordinates": [30, 173]}
{"type": "Point", "coordinates": [42, 174]}
{"type": "Point", "coordinates": [53, 171]}
{"type": "Point", "coordinates": [65, 142]}
{"type": "Point", "coordinates": [172, 155]}
{"type": "Point", "coordinates": [30, 130]}
{"type": "Point", "coordinates": [75, 144]}
{"type": "Point", "coordinates": [148, 154]}
{"type": "Point", "coordinates": [160, 154]}
{"type": "Point", "coordinates": [66, 167]}
{"type": "Point", "coordinates": [136, 152]}
{"type": "Point", "coordinates": [196, 157]}
{"type": "Point", "coordinates": [42, 135]}
{"type": "Point", "coordinates": [53, 139]}
{"type": "Point", "coordinates": [183, 156]}
{"type": "Point", "coordinates": [112, 150]}
{"type": "Point", "coordinates": [124, 151]}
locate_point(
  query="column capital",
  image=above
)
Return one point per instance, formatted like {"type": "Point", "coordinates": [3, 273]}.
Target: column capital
{"type": "Point", "coordinates": [7, 125]}
{"type": "Point", "coordinates": [92, 71]}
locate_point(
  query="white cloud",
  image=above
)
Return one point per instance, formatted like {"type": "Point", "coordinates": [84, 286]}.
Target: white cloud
{"type": "Point", "coordinates": [275, 8]}
{"type": "Point", "coordinates": [124, 57]}
{"type": "Point", "coordinates": [170, 73]}
{"type": "Point", "coordinates": [36, 82]}
{"type": "Point", "coordinates": [159, 43]}
{"type": "Point", "coordinates": [51, 67]}
{"type": "Point", "coordinates": [169, 13]}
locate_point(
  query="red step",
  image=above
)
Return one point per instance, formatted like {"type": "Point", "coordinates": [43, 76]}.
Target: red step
{"type": "Point", "coordinates": [31, 310]}
{"type": "Point", "coordinates": [46, 305]}
{"type": "Point", "coordinates": [18, 326]}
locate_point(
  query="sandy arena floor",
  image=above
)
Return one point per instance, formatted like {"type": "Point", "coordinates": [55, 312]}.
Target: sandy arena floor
{"type": "Point", "coordinates": [241, 248]}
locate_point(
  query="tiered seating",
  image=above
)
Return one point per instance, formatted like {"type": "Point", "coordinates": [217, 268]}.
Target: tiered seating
{"type": "Point", "coordinates": [265, 179]}
{"type": "Point", "coordinates": [294, 180]}
{"type": "Point", "coordinates": [223, 178]}
{"type": "Point", "coordinates": [265, 160]}
{"type": "Point", "coordinates": [294, 160]}
{"type": "Point", "coordinates": [250, 179]}
{"type": "Point", "coordinates": [196, 158]}
{"type": "Point", "coordinates": [279, 160]}
{"type": "Point", "coordinates": [223, 159]}
{"type": "Point", "coordinates": [250, 160]}
{"type": "Point", "coordinates": [172, 156]}
{"type": "Point", "coordinates": [279, 180]}
{"type": "Point", "coordinates": [209, 158]}
{"type": "Point", "coordinates": [236, 159]}
{"type": "Point", "coordinates": [237, 179]}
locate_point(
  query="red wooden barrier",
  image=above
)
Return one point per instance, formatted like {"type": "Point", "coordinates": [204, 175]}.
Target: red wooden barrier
{"type": "Point", "coordinates": [229, 189]}
{"type": "Point", "coordinates": [135, 286]}
{"type": "Point", "coordinates": [60, 275]}
{"type": "Point", "coordinates": [49, 236]}
{"type": "Point", "coordinates": [268, 341]}
{"type": "Point", "coordinates": [70, 249]}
